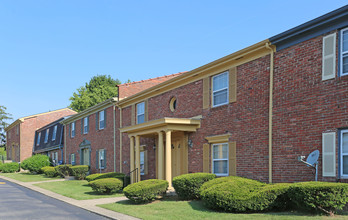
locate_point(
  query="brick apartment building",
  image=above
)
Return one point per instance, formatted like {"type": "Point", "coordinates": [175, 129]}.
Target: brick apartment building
{"type": "Point", "coordinates": [20, 134]}
{"type": "Point", "coordinates": [91, 134]}
{"type": "Point", "coordinates": [251, 114]}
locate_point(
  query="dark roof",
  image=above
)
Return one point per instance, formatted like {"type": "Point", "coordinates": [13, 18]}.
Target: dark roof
{"type": "Point", "coordinates": [331, 21]}
{"type": "Point", "coordinates": [50, 145]}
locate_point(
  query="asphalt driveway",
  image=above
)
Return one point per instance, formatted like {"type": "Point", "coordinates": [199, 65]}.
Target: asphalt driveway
{"type": "Point", "coordinates": [17, 202]}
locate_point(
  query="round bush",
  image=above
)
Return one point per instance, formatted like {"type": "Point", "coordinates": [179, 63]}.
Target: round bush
{"type": "Point", "coordinates": [146, 190]}
{"type": "Point", "coordinates": [63, 170]}
{"type": "Point", "coordinates": [237, 194]}
{"type": "Point", "coordinates": [187, 185]}
{"type": "Point", "coordinates": [35, 163]}
{"type": "Point", "coordinates": [321, 197]}
{"type": "Point", "coordinates": [49, 171]}
{"type": "Point", "coordinates": [9, 167]}
{"type": "Point", "coordinates": [107, 185]}
{"type": "Point", "coordinates": [79, 171]}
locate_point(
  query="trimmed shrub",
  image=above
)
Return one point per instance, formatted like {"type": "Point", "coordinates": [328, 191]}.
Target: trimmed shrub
{"type": "Point", "coordinates": [321, 197]}
{"type": "Point", "coordinates": [35, 163]}
{"type": "Point", "coordinates": [187, 185]}
{"type": "Point", "coordinates": [146, 190]}
{"type": "Point", "coordinates": [49, 171]}
{"type": "Point", "coordinates": [79, 171]}
{"type": "Point", "coordinates": [237, 194]}
{"type": "Point", "coordinates": [9, 167]}
{"type": "Point", "coordinates": [107, 185]}
{"type": "Point", "coordinates": [63, 170]}
{"type": "Point", "coordinates": [97, 176]}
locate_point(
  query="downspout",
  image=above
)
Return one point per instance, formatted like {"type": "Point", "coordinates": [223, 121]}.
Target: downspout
{"type": "Point", "coordinates": [114, 115]}
{"type": "Point", "coordinates": [270, 114]}
{"type": "Point", "coordinates": [120, 109]}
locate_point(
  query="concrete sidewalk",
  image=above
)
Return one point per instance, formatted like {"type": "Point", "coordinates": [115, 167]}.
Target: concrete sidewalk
{"type": "Point", "coordinates": [89, 205]}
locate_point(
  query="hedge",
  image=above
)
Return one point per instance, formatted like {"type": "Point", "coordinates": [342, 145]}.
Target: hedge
{"type": "Point", "coordinates": [35, 163]}
{"type": "Point", "coordinates": [79, 171]}
{"type": "Point", "coordinates": [146, 190]}
{"type": "Point", "coordinates": [321, 197]}
{"type": "Point", "coordinates": [49, 171]}
{"type": "Point", "coordinates": [237, 194]}
{"type": "Point", "coordinates": [107, 185]}
{"type": "Point", "coordinates": [9, 167]}
{"type": "Point", "coordinates": [187, 185]}
{"type": "Point", "coordinates": [96, 176]}
{"type": "Point", "coordinates": [63, 170]}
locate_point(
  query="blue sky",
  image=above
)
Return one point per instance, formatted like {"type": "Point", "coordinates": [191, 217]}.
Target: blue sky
{"type": "Point", "coordinates": [50, 48]}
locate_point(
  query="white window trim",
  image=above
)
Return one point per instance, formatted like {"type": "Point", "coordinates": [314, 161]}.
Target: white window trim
{"type": "Point", "coordinates": [142, 153]}
{"type": "Point", "coordinates": [46, 135]}
{"type": "Point", "coordinates": [99, 156]}
{"type": "Point", "coordinates": [72, 130]}
{"type": "Point", "coordinates": [54, 134]}
{"type": "Point", "coordinates": [227, 159]}
{"type": "Point", "coordinates": [101, 119]}
{"type": "Point", "coordinates": [342, 53]}
{"type": "Point", "coordinates": [38, 139]}
{"type": "Point", "coordinates": [212, 86]}
{"type": "Point", "coordinates": [85, 125]}
{"type": "Point", "coordinates": [141, 113]}
{"type": "Point", "coordinates": [342, 154]}
{"type": "Point", "coordinates": [72, 156]}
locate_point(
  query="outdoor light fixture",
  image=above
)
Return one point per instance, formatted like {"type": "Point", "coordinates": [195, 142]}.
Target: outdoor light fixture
{"type": "Point", "coordinates": [154, 147]}
{"type": "Point", "coordinates": [190, 143]}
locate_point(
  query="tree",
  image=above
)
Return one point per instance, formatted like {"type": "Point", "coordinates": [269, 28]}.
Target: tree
{"type": "Point", "coordinates": [4, 116]}
{"type": "Point", "coordinates": [99, 89]}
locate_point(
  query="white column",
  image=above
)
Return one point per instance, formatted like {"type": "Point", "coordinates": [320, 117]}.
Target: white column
{"type": "Point", "coordinates": [131, 140]}
{"type": "Point", "coordinates": [160, 155]}
{"type": "Point", "coordinates": [137, 156]}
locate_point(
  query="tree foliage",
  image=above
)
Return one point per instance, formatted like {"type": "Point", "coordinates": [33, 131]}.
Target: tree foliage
{"type": "Point", "coordinates": [99, 89]}
{"type": "Point", "coordinates": [4, 117]}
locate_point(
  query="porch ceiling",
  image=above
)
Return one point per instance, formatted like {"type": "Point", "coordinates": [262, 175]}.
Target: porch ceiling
{"type": "Point", "coordinates": [163, 124]}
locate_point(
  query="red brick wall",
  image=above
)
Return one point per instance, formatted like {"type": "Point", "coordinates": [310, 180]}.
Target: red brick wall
{"type": "Point", "coordinates": [246, 120]}
{"type": "Point", "coordinates": [13, 141]}
{"type": "Point", "coordinates": [29, 126]}
{"type": "Point", "coordinates": [100, 139]}
{"type": "Point", "coordinates": [304, 108]}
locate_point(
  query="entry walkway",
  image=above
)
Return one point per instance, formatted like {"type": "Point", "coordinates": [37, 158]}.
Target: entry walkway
{"type": "Point", "coordinates": [90, 205]}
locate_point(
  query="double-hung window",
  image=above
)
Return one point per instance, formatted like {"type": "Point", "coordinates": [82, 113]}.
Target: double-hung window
{"type": "Point", "coordinates": [344, 153]}
{"type": "Point", "coordinates": [72, 129]}
{"type": "Point", "coordinates": [85, 125]}
{"type": "Point", "coordinates": [140, 112]}
{"type": "Point", "coordinates": [344, 52]}
{"type": "Point", "coordinates": [101, 119]}
{"type": "Point", "coordinates": [46, 135]}
{"type": "Point", "coordinates": [101, 159]}
{"type": "Point", "coordinates": [72, 159]}
{"type": "Point", "coordinates": [38, 139]}
{"type": "Point", "coordinates": [220, 159]}
{"type": "Point", "coordinates": [54, 135]}
{"type": "Point", "coordinates": [142, 163]}
{"type": "Point", "coordinates": [220, 89]}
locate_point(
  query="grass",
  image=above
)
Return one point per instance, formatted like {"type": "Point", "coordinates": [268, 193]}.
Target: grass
{"type": "Point", "coordinates": [76, 189]}
{"type": "Point", "coordinates": [27, 177]}
{"type": "Point", "coordinates": [171, 209]}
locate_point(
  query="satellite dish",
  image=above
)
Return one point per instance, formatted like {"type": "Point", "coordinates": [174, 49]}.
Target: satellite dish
{"type": "Point", "coordinates": [312, 161]}
{"type": "Point", "coordinates": [313, 157]}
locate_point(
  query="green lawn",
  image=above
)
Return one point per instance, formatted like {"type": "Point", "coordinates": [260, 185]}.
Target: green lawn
{"type": "Point", "coordinates": [27, 177]}
{"type": "Point", "coordinates": [169, 209]}
{"type": "Point", "coordinates": [76, 189]}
